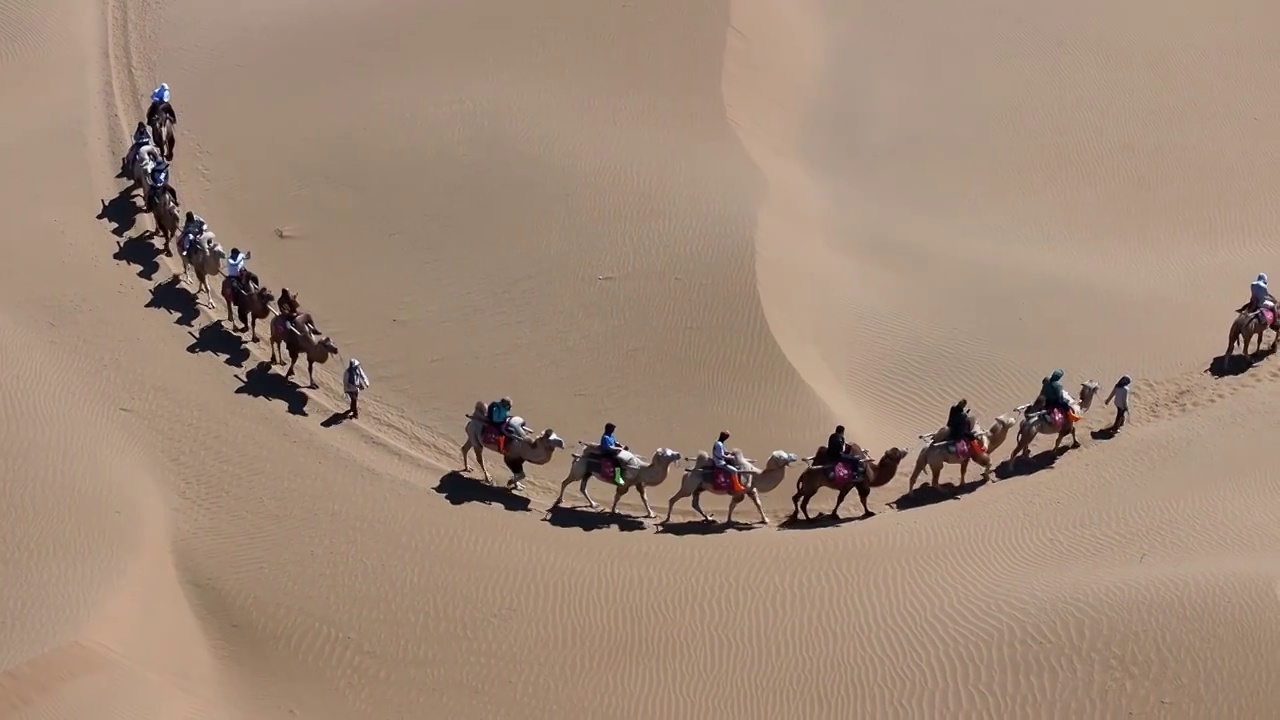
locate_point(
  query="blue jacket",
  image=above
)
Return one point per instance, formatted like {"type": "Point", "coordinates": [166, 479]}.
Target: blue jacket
{"type": "Point", "coordinates": [607, 442]}
{"type": "Point", "coordinates": [497, 413]}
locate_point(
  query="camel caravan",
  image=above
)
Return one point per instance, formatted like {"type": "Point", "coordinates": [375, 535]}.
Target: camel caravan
{"type": "Point", "coordinates": [839, 465]}
{"type": "Point", "coordinates": [247, 300]}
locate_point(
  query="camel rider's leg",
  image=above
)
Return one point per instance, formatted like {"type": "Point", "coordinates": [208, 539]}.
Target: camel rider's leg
{"type": "Point", "coordinates": [173, 194]}
{"type": "Point", "coordinates": [612, 454]}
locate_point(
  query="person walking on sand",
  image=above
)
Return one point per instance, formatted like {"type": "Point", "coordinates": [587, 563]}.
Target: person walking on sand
{"type": "Point", "coordinates": [353, 381]}
{"type": "Point", "coordinates": [1119, 393]}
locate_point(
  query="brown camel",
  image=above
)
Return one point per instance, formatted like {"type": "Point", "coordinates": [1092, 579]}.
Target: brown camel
{"type": "Point", "coordinates": [522, 447]}
{"type": "Point", "coordinates": [1035, 421]}
{"type": "Point", "coordinates": [167, 221]}
{"type": "Point", "coordinates": [205, 257]}
{"type": "Point", "coordinates": [874, 474]}
{"type": "Point", "coordinates": [251, 306]}
{"type": "Point", "coordinates": [635, 473]}
{"type": "Point", "coordinates": [940, 452]}
{"type": "Point", "coordinates": [701, 478]}
{"type": "Point", "coordinates": [317, 348]}
{"type": "Point", "coordinates": [161, 124]}
{"type": "Point", "coordinates": [1251, 324]}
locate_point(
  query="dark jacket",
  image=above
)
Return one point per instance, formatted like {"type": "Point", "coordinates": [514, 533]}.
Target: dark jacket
{"type": "Point", "coordinates": [835, 447]}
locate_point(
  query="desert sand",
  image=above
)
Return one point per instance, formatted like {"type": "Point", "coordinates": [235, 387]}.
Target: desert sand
{"type": "Point", "coordinates": [681, 217]}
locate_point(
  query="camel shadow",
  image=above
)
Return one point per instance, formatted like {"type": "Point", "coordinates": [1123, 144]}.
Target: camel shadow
{"type": "Point", "coordinates": [1231, 366]}
{"type": "Point", "coordinates": [1043, 460]}
{"type": "Point", "coordinates": [821, 520]}
{"type": "Point", "coordinates": [121, 211]}
{"type": "Point", "coordinates": [584, 518]}
{"type": "Point", "coordinates": [173, 297]}
{"type": "Point", "coordinates": [217, 340]}
{"type": "Point", "coordinates": [260, 382]}
{"type": "Point", "coordinates": [703, 527]}
{"type": "Point", "coordinates": [139, 250]}
{"type": "Point", "coordinates": [927, 494]}
{"type": "Point", "coordinates": [459, 489]}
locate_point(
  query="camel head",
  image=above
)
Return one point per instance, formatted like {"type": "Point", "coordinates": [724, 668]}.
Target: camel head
{"type": "Point", "coordinates": [327, 343]}
{"type": "Point", "coordinates": [999, 431]}
{"type": "Point", "coordinates": [665, 456]}
{"type": "Point", "coordinates": [548, 438]}
{"type": "Point", "coordinates": [780, 459]}
{"type": "Point", "coordinates": [1088, 391]}
{"type": "Point", "coordinates": [887, 467]}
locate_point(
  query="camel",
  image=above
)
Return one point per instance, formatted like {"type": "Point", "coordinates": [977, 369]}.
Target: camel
{"type": "Point", "coordinates": [161, 124]}
{"type": "Point", "coordinates": [635, 473]}
{"type": "Point", "coordinates": [317, 349]}
{"type": "Point", "coordinates": [143, 163]}
{"type": "Point", "coordinates": [167, 220]}
{"type": "Point", "coordinates": [939, 452]}
{"type": "Point", "coordinates": [874, 474]}
{"type": "Point", "coordinates": [251, 306]}
{"type": "Point", "coordinates": [516, 451]}
{"type": "Point", "coordinates": [1036, 422]}
{"type": "Point", "coordinates": [699, 479]}
{"type": "Point", "coordinates": [1251, 324]}
{"type": "Point", "coordinates": [205, 256]}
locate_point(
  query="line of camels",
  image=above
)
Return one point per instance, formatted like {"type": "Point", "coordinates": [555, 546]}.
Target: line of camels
{"type": "Point", "coordinates": [294, 333]}
{"type": "Point", "coordinates": [205, 258]}
{"type": "Point", "coordinates": [525, 446]}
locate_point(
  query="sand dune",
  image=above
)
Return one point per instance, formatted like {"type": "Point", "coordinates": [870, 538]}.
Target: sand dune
{"type": "Point", "coordinates": [680, 217]}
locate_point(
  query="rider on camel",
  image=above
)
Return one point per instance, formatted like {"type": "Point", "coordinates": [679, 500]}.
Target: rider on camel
{"type": "Point", "coordinates": [159, 103]}
{"type": "Point", "coordinates": [239, 275]}
{"type": "Point", "coordinates": [160, 184]}
{"type": "Point", "coordinates": [497, 415]}
{"type": "Point", "coordinates": [141, 139]}
{"type": "Point", "coordinates": [1259, 295]}
{"type": "Point", "coordinates": [838, 452]}
{"type": "Point", "coordinates": [723, 461]}
{"type": "Point", "coordinates": [291, 311]}
{"type": "Point", "coordinates": [193, 228]}
{"type": "Point", "coordinates": [959, 424]}
{"type": "Point", "coordinates": [609, 448]}
{"type": "Point", "coordinates": [1052, 394]}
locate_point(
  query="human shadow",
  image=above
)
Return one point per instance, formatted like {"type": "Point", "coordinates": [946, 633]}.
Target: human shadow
{"type": "Point", "coordinates": [822, 520]}
{"type": "Point", "coordinates": [173, 297]}
{"type": "Point", "coordinates": [216, 339]}
{"type": "Point", "coordinates": [121, 212]}
{"type": "Point", "coordinates": [704, 527]}
{"type": "Point", "coordinates": [927, 494]}
{"type": "Point", "coordinates": [459, 489]}
{"type": "Point", "coordinates": [139, 250]}
{"type": "Point", "coordinates": [260, 382]}
{"type": "Point", "coordinates": [584, 518]}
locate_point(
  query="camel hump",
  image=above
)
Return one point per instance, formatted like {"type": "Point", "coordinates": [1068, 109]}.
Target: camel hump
{"type": "Point", "coordinates": [479, 409]}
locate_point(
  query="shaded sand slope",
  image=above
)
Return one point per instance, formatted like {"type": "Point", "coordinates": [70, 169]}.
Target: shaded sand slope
{"type": "Point", "coordinates": [1011, 188]}
{"type": "Point", "coordinates": [490, 198]}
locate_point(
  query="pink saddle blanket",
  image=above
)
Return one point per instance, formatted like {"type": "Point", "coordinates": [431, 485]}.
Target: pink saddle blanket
{"type": "Point", "coordinates": [1268, 316]}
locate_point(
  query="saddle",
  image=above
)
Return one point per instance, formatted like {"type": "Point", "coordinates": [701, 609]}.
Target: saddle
{"type": "Point", "coordinates": [841, 473]}
{"type": "Point", "coordinates": [966, 448]}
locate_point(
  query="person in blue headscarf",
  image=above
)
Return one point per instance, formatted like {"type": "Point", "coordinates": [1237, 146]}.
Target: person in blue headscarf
{"type": "Point", "coordinates": [1052, 394]}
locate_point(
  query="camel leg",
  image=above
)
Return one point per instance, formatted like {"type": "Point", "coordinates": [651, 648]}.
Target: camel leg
{"type": "Point", "coordinates": [253, 329]}
{"type": "Point", "coordinates": [864, 492]}
{"type": "Point", "coordinates": [755, 500]}
{"type": "Point", "coordinates": [293, 360]}
{"type": "Point", "coordinates": [840, 496]}
{"type": "Point", "coordinates": [964, 465]}
{"type": "Point", "coordinates": [935, 471]}
{"type": "Point", "coordinates": [804, 504]}
{"type": "Point", "coordinates": [466, 466]}
{"type": "Point", "coordinates": [273, 345]}
{"type": "Point", "coordinates": [985, 461]}
{"type": "Point", "coordinates": [733, 503]}
{"type": "Point", "coordinates": [697, 505]}
{"type": "Point", "coordinates": [915, 474]}
{"type": "Point", "coordinates": [564, 484]}
{"type": "Point", "coordinates": [795, 504]}
{"type": "Point", "coordinates": [583, 489]}
{"type": "Point", "coordinates": [311, 373]}
{"type": "Point", "coordinates": [681, 493]}
{"type": "Point", "coordinates": [644, 498]}
{"type": "Point", "coordinates": [617, 495]}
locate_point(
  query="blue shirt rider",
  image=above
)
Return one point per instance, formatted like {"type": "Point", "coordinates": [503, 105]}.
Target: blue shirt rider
{"type": "Point", "coordinates": [609, 448]}
{"type": "Point", "coordinates": [498, 412]}
{"type": "Point", "coordinates": [723, 461]}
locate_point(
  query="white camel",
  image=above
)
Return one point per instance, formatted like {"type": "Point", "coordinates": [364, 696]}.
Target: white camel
{"type": "Point", "coordinates": [700, 478]}
{"type": "Point", "coordinates": [636, 473]}
{"type": "Point", "coordinates": [143, 163]}
{"type": "Point", "coordinates": [518, 450]}
{"type": "Point", "coordinates": [1038, 422]}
